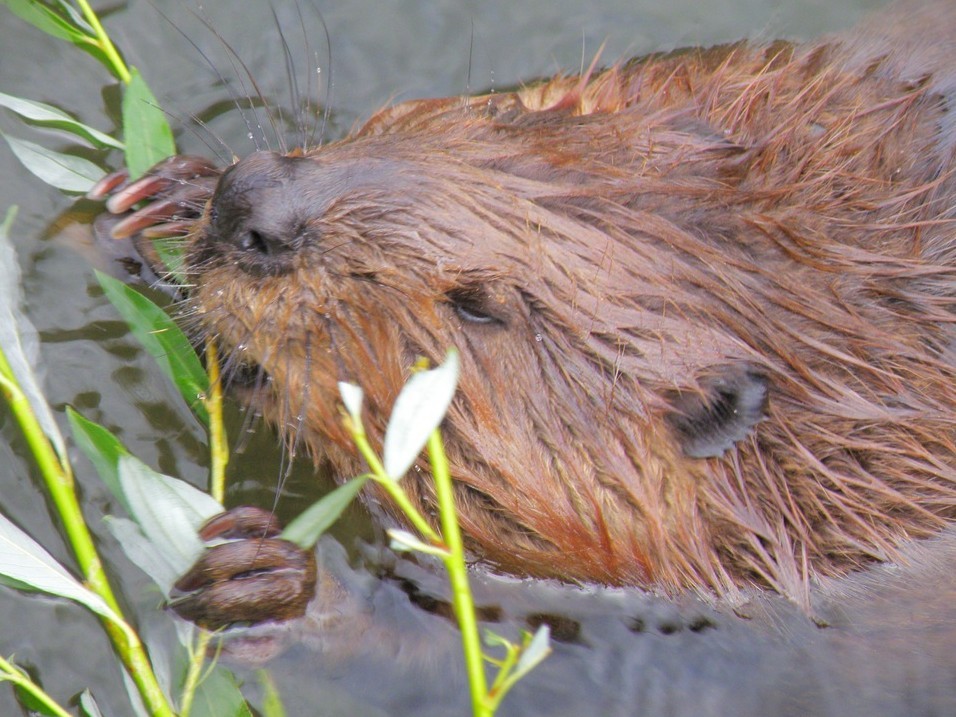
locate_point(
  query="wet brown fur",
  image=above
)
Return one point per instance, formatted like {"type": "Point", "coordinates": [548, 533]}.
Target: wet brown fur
{"type": "Point", "coordinates": [785, 208]}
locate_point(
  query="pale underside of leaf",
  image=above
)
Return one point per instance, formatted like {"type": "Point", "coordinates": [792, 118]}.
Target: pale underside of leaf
{"type": "Point", "coordinates": [418, 411]}
{"type": "Point", "coordinates": [25, 561]}
{"type": "Point", "coordinates": [19, 339]}
{"type": "Point", "coordinates": [67, 172]}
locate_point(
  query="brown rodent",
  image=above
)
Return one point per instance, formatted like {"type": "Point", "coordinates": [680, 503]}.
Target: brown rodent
{"type": "Point", "coordinates": [703, 301]}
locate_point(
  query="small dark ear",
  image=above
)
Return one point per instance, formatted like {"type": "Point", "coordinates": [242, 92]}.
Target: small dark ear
{"type": "Point", "coordinates": [730, 400]}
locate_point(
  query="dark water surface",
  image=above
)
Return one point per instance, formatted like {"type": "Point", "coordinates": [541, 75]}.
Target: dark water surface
{"type": "Point", "coordinates": [381, 50]}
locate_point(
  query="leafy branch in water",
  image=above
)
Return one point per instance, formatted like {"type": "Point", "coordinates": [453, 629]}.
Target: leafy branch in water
{"type": "Point", "coordinates": [25, 563]}
{"type": "Point", "coordinates": [148, 136]}
{"type": "Point", "coordinates": [413, 425]}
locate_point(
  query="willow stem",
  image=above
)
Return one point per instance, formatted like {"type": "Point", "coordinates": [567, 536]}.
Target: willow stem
{"type": "Point", "coordinates": [218, 448]}
{"type": "Point", "coordinates": [390, 485]}
{"type": "Point", "coordinates": [195, 672]}
{"type": "Point", "coordinates": [462, 599]}
{"type": "Point", "coordinates": [10, 673]}
{"type": "Point", "coordinates": [105, 44]}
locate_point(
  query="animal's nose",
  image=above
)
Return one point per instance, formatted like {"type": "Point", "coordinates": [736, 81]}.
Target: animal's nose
{"type": "Point", "coordinates": [256, 211]}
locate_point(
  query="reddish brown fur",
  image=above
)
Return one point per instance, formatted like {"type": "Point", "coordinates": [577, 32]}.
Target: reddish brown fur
{"type": "Point", "coordinates": [782, 207]}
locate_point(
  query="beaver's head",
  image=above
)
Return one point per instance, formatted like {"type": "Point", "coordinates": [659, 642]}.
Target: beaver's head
{"type": "Point", "coordinates": [626, 297]}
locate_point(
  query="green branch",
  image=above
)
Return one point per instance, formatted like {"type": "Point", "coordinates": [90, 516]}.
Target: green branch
{"type": "Point", "coordinates": [103, 41]}
{"type": "Point", "coordinates": [12, 674]}
{"type": "Point", "coordinates": [59, 481]}
{"type": "Point", "coordinates": [462, 599]}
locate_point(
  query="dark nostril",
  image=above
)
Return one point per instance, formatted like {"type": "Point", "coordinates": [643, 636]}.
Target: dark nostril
{"type": "Point", "coordinates": [259, 216]}
{"type": "Point", "coordinates": [256, 242]}
{"type": "Point", "coordinates": [263, 250]}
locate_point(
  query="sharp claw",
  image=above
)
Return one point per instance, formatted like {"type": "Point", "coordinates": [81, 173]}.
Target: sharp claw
{"type": "Point", "coordinates": [168, 230]}
{"type": "Point", "coordinates": [143, 218]}
{"type": "Point", "coordinates": [108, 184]}
{"type": "Point", "coordinates": [174, 172]}
{"type": "Point", "coordinates": [124, 200]}
{"type": "Point", "coordinates": [164, 203]}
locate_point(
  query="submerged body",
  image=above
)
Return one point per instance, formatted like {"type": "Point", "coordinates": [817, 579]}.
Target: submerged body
{"type": "Point", "coordinates": [704, 305]}
{"type": "Point", "coordinates": [881, 645]}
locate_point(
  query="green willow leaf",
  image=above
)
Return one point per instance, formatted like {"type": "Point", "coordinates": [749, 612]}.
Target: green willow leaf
{"type": "Point", "coordinates": [271, 705]}
{"type": "Point", "coordinates": [403, 541]}
{"type": "Point", "coordinates": [66, 172]}
{"type": "Point", "coordinates": [50, 116]}
{"type": "Point", "coordinates": [164, 341]}
{"type": "Point", "coordinates": [172, 253]}
{"type": "Point", "coordinates": [143, 554]}
{"type": "Point", "coordinates": [47, 20]}
{"type": "Point", "coordinates": [218, 696]}
{"type": "Point", "coordinates": [148, 136]}
{"type": "Point", "coordinates": [309, 526]}
{"type": "Point", "coordinates": [88, 705]}
{"type": "Point", "coordinates": [103, 450]}
{"type": "Point", "coordinates": [352, 396]}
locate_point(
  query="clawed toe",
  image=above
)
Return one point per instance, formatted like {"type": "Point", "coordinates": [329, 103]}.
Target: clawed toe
{"type": "Point", "coordinates": [176, 189]}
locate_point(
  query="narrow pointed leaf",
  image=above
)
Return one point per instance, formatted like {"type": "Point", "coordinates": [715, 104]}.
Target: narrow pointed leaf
{"type": "Point", "coordinates": [19, 339]}
{"type": "Point", "coordinates": [145, 555]}
{"type": "Point", "coordinates": [352, 399]}
{"type": "Point", "coordinates": [50, 116]}
{"type": "Point", "coordinates": [88, 705]}
{"type": "Point", "coordinates": [164, 341]}
{"type": "Point", "coordinates": [218, 696]}
{"type": "Point", "coordinates": [25, 563]}
{"type": "Point", "coordinates": [532, 655]}
{"type": "Point", "coordinates": [102, 448]}
{"type": "Point", "coordinates": [402, 540]}
{"type": "Point", "coordinates": [271, 704]}
{"type": "Point", "coordinates": [147, 133]}
{"type": "Point", "coordinates": [308, 527]}
{"type": "Point", "coordinates": [45, 19]}
{"type": "Point", "coordinates": [418, 411]}
{"type": "Point", "coordinates": [66, 172]}
{"type": "Point", "coordinates": [172, 253]}
{"type": "Point", "coordinates": [167, 510]}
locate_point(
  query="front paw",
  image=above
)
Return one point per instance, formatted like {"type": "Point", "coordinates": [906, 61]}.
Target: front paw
{"type": "Point", "coordinates": [256, 577]}
{"type": "Point", "coordinates": [176, 191]}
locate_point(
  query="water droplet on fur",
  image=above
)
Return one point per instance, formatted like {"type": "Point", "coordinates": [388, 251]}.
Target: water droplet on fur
{"type": "Point", "coordinates": [539, 338]}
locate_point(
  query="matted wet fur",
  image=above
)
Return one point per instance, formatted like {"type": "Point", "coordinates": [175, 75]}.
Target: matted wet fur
{"type": "Point", "coordinates": [704, 304]}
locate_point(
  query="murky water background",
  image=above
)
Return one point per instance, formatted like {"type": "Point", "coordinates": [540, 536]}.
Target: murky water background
{"type": "Point", "coordinates": [381, 50]}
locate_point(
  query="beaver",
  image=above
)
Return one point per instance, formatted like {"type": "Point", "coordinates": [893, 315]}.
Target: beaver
{"type": "Point", "coordinates": [703, 300]}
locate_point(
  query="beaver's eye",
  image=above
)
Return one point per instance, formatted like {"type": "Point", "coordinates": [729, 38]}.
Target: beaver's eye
{"type": "Point", "coordinates": [474, 306]}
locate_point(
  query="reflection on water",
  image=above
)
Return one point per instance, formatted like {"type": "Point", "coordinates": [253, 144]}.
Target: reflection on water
{"type": "Point", "coordinates": [877, 644]}
{"type": "Point", "coordinates": [379, 640]}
